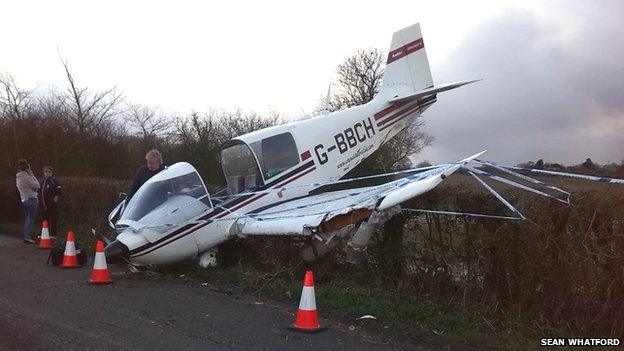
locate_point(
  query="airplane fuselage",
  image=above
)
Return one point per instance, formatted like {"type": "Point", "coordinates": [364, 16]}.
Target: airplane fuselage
{"type": "Point", "coordinates": [329, 146]}
{"type": "Point", "coordinates": [276, 164]}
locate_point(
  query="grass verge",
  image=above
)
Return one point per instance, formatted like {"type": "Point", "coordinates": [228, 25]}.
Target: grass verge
{"type": "Point", "coordinates": [407, 318]}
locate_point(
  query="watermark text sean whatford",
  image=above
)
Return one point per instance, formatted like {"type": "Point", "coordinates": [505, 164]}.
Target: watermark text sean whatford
{"type": "Point", "coordinates": [580, 342]}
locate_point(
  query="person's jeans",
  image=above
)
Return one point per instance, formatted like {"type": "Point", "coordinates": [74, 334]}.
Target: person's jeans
{"type": "Point", "coordinates": [29, 206]}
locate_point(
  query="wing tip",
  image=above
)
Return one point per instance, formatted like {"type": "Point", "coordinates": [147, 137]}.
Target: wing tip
{"type": "Point", "coordinates": [470, 158]}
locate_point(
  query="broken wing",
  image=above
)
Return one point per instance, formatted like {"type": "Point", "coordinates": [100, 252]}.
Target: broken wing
{"type": "Point", "coordinates": [336, 209]}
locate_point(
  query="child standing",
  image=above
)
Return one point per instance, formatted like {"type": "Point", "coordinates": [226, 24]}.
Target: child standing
{"type": "Point", "coordinates": [49, 194]}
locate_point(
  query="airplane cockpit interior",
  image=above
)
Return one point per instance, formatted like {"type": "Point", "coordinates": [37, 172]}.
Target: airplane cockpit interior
{"type": "Point", "coordinates": [247, 167]}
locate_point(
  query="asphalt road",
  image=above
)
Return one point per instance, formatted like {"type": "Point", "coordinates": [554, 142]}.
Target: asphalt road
{"type": "Point", "coordinates": [49, 308]}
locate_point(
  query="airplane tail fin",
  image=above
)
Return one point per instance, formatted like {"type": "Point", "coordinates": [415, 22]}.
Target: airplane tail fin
{"type": "Point", "coordinates": [407, 67]}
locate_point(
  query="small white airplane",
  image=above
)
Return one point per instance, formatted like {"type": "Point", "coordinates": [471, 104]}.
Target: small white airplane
{"type": "Point", "coordinates": [275, 178]}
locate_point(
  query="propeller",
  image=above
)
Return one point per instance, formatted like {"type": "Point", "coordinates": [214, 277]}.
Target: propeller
{"type": "Point", "coordinates": [116, 250]}
{"type": "Point", "coordinates": [102, 237]}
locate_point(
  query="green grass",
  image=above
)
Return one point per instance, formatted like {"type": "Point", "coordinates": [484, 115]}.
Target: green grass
{"type": "Point", "coordinates": [409, 317]}
{"type": "Point", "coordinates": [409, 313]}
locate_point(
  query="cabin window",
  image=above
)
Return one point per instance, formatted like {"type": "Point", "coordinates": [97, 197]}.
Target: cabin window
{"type": "Point", "coordinates": [239, 168]}
{"type": "Point", "coordinates": [279, 153]}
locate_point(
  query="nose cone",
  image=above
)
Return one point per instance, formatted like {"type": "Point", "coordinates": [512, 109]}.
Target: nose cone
{"type": "Point", "coordinates": [116, 252]}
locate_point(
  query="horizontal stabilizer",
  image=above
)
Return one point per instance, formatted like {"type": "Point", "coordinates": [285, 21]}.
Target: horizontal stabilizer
{"type": "Point", "coordinates": [432, 90]}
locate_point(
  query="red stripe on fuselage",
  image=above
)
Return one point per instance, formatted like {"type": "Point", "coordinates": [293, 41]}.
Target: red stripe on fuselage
{"type": "Point", "coordinates": [305, 155]}
{"type": "Point", "coordinates": [385, 111]}
{"type": "Point", "coordinates": [233, 208]}
{"type": "Point", "coordinates": [295, 177]}
{"type": "Point", "coordinates": [257, 196]}
{"type": "Point", "coordinates": [409, 112]}
{"type": "Point", "coordinates": [403, 110]}
{"type": "Point", "coordinates": [173, 238]}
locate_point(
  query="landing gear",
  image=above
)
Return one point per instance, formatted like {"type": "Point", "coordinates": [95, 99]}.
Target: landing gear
{"type": "Point", "coordinates": [208, 259]}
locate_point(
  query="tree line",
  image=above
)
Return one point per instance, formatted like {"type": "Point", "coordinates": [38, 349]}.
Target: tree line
{"type": "Point", "coordinates": [88, 133]}
{"type": "Point", "coordinates": [100, 133]}
{"type": "Point", "coordinates": [610, 169]}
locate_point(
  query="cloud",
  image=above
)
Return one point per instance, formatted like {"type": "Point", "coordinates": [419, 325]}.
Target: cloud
{"type": "Point", "coordinates": [553, 88]}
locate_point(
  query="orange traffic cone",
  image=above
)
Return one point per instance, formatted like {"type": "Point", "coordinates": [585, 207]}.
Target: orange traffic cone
{"type": "Point", "coordinates": [99, 273]}
{"type": "Point", "coordinates": [44, 240]}
{"type": "Point", "coordinates": [307, 319]}
{"type": "Point", "coordinates": [69, 256]}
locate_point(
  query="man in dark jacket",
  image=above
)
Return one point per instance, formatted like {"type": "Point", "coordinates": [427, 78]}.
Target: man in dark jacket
{"type": "Point", "coordinates": [152, 166]}
{"type": "Point", "coordinates": [49, 195]}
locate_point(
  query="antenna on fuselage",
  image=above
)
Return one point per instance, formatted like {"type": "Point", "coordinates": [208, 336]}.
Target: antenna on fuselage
{"type": "Point", "coordinates": [328, 100]}
{"type": "Point", "coordinates": [323, 112]}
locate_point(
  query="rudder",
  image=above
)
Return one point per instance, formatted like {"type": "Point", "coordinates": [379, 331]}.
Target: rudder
{"type": "Point", "coordinates": [407, 67]}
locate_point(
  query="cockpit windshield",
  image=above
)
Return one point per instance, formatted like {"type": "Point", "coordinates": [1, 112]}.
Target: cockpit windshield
{"type": "Point", "coordinates": [166, 193]}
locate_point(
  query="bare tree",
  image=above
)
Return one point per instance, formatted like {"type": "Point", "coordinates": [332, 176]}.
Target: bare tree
{"type": "Point", "coordinates": [199, 137]}
{"type": "Point", "coordinates": [195, 129]}
{"type": "Point", "coordinates": [146, 120]}
{"type": "Point", "coordinates": [396, 152]}
{"type": "Point", "coordinates": [89, 112]}
{"type": "Point", "coordinates": [54, 112]}
{"type": "Point", "coordinates": [235, 123]}
{"type": "Point", "coordinates": [359, 80]}
{"type": "Point", "coordinates": [218, 126]}
{"type": "Point", "coordinates": [14, 102]}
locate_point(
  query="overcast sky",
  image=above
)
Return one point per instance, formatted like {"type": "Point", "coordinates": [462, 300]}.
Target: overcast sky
{"type": "Point", "coordinates": [553, 72]}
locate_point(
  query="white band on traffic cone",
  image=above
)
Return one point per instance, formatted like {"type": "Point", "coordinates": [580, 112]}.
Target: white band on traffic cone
{"type": "Point", "coordinates": [70, 248]}
{"type": "Point", "coordinates": [45, 233]}
{"type": "Point", "coordinates": [99, 261]}
{"type": "Point", "coordinates": [307, 302]}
